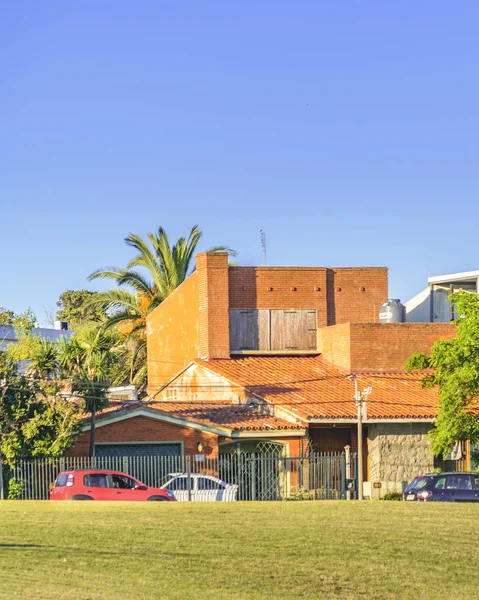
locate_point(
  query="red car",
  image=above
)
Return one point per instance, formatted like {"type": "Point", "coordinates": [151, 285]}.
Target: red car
{"type": "Point", "coordinates": [104, 485]}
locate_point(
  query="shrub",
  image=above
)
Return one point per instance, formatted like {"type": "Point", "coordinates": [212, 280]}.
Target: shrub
{"type": "Point", "coordinates": [14, 489]}
{"type": "Point", "coordinates": [392, 496]}
{"type": "Point", "coordinates": [298, 492]}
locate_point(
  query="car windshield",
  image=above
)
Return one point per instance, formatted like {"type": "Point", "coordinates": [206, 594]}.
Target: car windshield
{"type": "Point", "coordinates": [418, 483]}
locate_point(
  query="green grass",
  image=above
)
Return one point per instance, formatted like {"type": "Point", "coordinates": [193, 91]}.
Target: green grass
{"type": "Point", "coordinates": [221, 551]}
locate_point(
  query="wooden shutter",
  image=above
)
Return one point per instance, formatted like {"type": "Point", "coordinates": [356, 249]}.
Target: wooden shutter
{"type": "Point", "coordinates": [249, 330]}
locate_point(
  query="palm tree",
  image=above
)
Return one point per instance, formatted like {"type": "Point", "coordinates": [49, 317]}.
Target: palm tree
{"type": "Point", "coordinates": [87, 359]}
{"type": "Point", "coordinates": [166, 268]}
{"type": "Point", "coordinates": [43, 361]}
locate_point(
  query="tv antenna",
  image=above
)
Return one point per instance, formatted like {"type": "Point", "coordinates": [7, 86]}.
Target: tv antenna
{"type": "Point", "coordinates": [263, 244]}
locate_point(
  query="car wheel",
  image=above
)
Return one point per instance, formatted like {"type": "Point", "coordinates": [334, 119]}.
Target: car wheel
{"type": "Point", "coordinates": [157, 499]}
{"type": "Point", "coordinates": [81, 497]}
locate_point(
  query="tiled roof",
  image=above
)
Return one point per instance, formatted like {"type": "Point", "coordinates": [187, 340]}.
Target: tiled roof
{"type": "Point", "coordinates": [228, 416]}
{"type": "Point", "coordinates": [310, 388]}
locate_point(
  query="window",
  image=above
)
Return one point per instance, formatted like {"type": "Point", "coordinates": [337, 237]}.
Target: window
{"type": "Point", "coordinates": [459, 482]}
{"type": "Point", "coordinates": [272, 330]}
{"type": "Point", "coordinates": [476, 481]}
{"type": "Point", "coordinates": [61, 480]}
{"type": "Point", "coordinates": [440, 483]}
{"type": "Point", "coordinates": [179, 484]}
{"type": "Point", "coordinates": [204, 483]}
{"type": "Point", "coordinates": [122, 482]}
{"type": "Point", "coordinates": [95, 481]}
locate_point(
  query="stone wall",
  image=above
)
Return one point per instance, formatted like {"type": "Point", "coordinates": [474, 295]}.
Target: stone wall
{"type": "Point", "coordinates": [398, 451]}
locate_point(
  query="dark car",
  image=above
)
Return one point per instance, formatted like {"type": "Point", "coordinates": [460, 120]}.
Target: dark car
{"type": "Point", "coordinates": [444, 487]}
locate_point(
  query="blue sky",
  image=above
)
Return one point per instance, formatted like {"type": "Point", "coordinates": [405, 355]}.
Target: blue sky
{"type": "Point", "coordinates": [348, 131]}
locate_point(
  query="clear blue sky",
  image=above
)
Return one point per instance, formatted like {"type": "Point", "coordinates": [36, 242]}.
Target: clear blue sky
{"type": "Point", "coordinates": [349, 131]}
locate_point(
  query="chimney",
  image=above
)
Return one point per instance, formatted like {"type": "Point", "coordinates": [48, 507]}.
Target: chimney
{"type": "Point", "coordinates": [61, 325]}
{"type": "Point", "coordinates": [213, 305]}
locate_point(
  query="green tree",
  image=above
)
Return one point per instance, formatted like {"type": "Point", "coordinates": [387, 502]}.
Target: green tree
{"type": "Point", "coordinates": [75, 307]}
{"type": "Point", "coordinates": [24, 321]}
{"type": "Point", "coordinates": [455, 371]}
{"type": "Point", "coordinates": [155, 271]}
{"type": "Point", "coordinates": [31, 424]}
{"type": "Point", "coordinates": [87, 361]}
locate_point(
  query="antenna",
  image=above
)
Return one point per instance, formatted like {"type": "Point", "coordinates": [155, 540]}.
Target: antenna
{"type": "Point", "coordinates": [263, 244]}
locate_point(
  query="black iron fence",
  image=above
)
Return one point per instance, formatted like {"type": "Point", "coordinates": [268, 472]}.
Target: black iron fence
{"type": "Point", "coordinates": [257, 476]}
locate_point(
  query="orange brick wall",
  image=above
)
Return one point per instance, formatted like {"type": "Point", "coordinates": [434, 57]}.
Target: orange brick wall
{"type": "Point", "coordinates": [355, 294]}
{"type": "Point", "coordinates": [334, 343]}
{"type": "Point", "coordinates": [144, 429]}
{"type": "Point", "coordinates": [213, 316]}
{"type": "Point", "coordinates": [172, 334]}
{"type": "Point", "coordinates": [339, 295]}
{"type": "Point", "coordinates": [380, 347]}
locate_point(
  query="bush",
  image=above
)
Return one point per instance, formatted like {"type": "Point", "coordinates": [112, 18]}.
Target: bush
{"type": "Point", "coordinates": [299, 493]}
{"type": "Point", "coordinates": [14, 489]}
{"type": "Point", "coordinates": [392, 496]}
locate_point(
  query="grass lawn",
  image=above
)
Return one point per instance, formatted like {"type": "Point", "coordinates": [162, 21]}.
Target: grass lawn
{"type": "Point", "coordinates": [83, 550]}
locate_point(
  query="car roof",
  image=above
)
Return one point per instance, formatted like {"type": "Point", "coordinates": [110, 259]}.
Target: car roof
{"type": "Point", "coordinates": [93, 472]}
{"type": "Point", "coordinates": [448, 473]}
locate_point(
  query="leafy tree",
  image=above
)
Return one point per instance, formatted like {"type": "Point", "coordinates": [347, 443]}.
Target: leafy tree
{"type": "Point", "coordinates": [24, 321]}
{"type": "Point", "coordinates": [87, 360]}
{"type": "Point", "coordinates": [31, 424]}
{"type": "Point", "coordinates": [455, 365]}
{"type": "Point", "coordinates": [155, 271]}
{"type": "Point", "coordinates": [75, 307]}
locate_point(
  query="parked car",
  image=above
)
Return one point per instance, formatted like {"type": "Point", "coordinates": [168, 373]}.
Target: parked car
{"type": "Point", "coordinates": [202, 488]}
{"type": "Point", "coordinates": [444, 487]}
{"type": "Point", "coordinates": [104, 485]}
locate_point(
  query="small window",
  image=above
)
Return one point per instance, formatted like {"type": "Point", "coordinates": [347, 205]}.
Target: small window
{"type": "Point", "coordinates": [62, 480]}
{"type": "Point", "coordinates": [204, 483]}
{"type": "Point", "coordinates": [179, 484]}
{"type": "Point", "coordinates": [440, 483]}
{"type": "Point", "coordinates": [122, 482]}
{"type": "Point", "coordinates": [459, 482]}
{"type": "Point", "coordinates": [476, 481]}
{"type": "Point", "coordinates": [95, 481]}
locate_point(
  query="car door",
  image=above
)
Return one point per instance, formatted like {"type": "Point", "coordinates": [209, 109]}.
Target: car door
{"type": "Point", "coordinates": [125, 488]}
{"type": "Point", "coordinates": [209, 489]}
{"type": "Point", "coordinates": [179, 486]}
{"type": "Point", "coordinates": [96, 485]}
{"type": "Point", "coordinates": [476, 485]}
{"type": "Point", "coordinates": [461, 488]}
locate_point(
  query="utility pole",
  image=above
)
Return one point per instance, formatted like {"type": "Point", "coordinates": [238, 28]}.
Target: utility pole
{"type": "Point", "coordinates": [360, 398]}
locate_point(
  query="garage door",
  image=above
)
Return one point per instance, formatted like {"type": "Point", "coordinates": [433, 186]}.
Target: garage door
{"type": "Point", "coordinates": [138, 449]}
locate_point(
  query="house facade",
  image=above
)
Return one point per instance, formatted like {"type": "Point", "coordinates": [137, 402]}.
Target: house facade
{"type": "Point", "coordinates": [243, 358]}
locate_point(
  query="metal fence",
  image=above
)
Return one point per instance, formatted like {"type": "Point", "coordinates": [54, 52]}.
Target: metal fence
{"type": "Point", "coordinates": [258, 476]}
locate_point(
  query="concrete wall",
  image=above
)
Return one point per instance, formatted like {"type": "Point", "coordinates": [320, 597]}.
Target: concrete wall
{"type": "Point", "coordinates": [398, 452]}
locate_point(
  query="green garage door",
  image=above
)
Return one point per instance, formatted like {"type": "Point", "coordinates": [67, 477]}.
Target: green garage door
{"type": "Point", "coordinates": [150, 463]}
{"type": "Point", "coordinates": [138, 449]}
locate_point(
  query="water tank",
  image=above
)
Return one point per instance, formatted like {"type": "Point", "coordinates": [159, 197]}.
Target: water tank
{"type": "Point", "coordinates": [392, 311]}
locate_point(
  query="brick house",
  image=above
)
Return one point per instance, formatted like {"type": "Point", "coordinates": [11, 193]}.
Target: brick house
{"type": "Point", "coordinates": [240, 356]}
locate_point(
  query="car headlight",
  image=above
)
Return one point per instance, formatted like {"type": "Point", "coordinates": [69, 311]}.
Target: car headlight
{"type": "Point", "coordinates": [170, 494]}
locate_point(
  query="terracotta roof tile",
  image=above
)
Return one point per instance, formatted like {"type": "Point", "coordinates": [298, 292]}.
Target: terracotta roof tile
{"type": "Point", "coordinates": [313, 389]}
{"type": "Point", "coordinates": [228, 416]}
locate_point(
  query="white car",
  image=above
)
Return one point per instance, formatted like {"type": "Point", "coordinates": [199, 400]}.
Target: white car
{"type": "Point", "coordinates": [203, 488]}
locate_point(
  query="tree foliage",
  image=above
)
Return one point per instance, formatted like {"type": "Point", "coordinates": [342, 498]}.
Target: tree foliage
{"type": "Point", "coordinates": [455, 365]}
{"type": "Point", "coordinates": [31, 424]}
{"type": "Point", "coordinates": [75, 307]}
{"type": "Point", "coordinates": [24, 321]}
